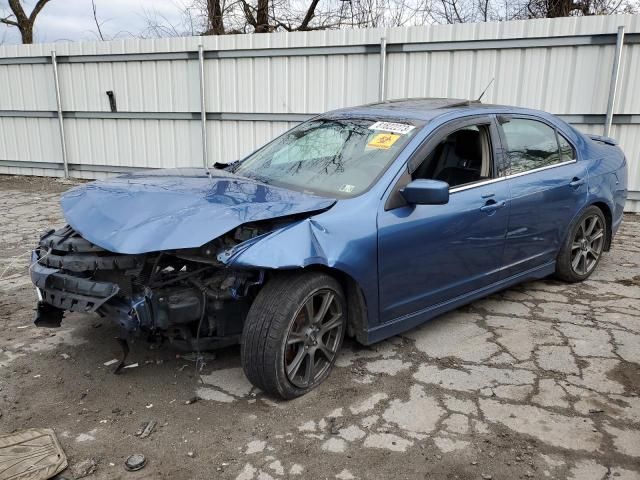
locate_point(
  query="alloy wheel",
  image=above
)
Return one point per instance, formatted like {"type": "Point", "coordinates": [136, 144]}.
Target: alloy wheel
{"type": "Point", "coordinates": [314, 338]}
{"type": "Point", "coordinates": [587, 245]}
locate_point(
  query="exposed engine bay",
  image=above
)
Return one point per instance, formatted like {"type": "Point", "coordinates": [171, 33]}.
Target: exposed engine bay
{"type": "Point", "coordinates": [186, 296]}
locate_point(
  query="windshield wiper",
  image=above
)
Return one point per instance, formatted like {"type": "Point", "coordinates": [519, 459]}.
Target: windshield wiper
{"type": "Point", "coordinates": [229, 167]}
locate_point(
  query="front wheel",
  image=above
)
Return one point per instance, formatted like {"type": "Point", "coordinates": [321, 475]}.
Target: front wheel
{"type": "Point", "coordinates": [583, 246]}
{"type": "Point", "coordinates": [293, 333]}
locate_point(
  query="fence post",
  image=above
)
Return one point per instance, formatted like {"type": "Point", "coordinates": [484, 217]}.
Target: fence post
{"type": "Point", "coordinates": [54, 62]}
{"type": "Point", "coordinates": [614, 81]}
{"type": "Point", "coordinates": [203, 106]}
{"type": "Point", "coordinates": [383, 70]}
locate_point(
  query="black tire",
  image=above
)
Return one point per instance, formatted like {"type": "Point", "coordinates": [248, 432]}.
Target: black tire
{"type": "Point", "coordinates": [279, 325]}
{"type": "Point", "coordinates": [582, 240]}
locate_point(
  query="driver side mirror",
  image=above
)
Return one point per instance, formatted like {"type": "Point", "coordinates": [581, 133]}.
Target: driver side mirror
{"type": "Point", "coordinates": [426, 192]}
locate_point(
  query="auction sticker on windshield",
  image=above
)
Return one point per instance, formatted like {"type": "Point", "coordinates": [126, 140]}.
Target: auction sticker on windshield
{"type": "Point", "coordinates": [401, 128]}
{"type": "Point", "coordinates": [383, 140]}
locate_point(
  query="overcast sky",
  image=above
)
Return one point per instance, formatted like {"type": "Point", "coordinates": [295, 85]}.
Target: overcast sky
{"type": "Point", "coordinates": [73, 19]}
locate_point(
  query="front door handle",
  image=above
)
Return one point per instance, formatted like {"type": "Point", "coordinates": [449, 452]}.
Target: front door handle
{"type": "Point", "coordinates": [491, 206]}
{"type": "Point", "coordinates": [576, 182]}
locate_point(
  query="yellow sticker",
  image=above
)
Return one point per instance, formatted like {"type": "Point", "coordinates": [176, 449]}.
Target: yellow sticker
{"type": "Point", "coordinates": [383, 140]}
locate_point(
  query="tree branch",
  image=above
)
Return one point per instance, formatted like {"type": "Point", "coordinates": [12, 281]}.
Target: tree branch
{"type": "Point", "coordinates": [95, 19]}
{"type": "Point", "coordinates": [248, 15]}
{"type": "Point", "coordinates": [262, 17]}
{"type": "Point", "coordinates": [36, 10]}
{"type": "Point", "coordinates": [214, 18]}
{"type": "Point", "coordinates": [454, 4]}
{"type": "Point", "coordinates": [23, 22]}
{"type": "Point", "coordinates": [18, 11]}
{"type": "Point", "coordinates": [8, 21]}
{"type": "Point", "coordinates": [311, 11]}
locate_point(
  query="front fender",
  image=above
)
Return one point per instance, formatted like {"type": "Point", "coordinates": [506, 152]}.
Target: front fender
{"type": "Point", "coordinates": [311, 242]}
{"type": "Point", "coordinates": [294, 246]}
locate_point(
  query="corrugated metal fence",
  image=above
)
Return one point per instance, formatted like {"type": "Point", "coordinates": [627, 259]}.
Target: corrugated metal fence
{"type": "Point", "coordinates": [256, 86]}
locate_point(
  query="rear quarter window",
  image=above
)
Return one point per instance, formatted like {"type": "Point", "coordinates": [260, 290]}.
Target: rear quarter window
{"type": "Point", "coordinates": [567, 152]}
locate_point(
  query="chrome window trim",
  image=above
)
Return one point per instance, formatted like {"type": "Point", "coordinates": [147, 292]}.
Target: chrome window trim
{"type": "Point", "coordinates": [547, 167]}
{"type": "Point", "coordinates": [476, 184]}
{"type": "Point", "coordinates": [514, 175]}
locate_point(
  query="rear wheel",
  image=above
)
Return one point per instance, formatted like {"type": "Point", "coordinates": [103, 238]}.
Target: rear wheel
{"type": "Point", "coordinates": [583, 246]}
{"type": "Point", "coordinates": [293, 333]}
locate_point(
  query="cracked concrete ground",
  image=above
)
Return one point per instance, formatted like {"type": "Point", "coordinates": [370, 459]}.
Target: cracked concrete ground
{"type": "Point", "coordinates": [539, 381]}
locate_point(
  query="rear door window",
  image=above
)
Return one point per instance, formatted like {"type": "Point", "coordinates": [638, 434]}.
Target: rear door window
{"type": "Point", "coordinates": [530, 145]}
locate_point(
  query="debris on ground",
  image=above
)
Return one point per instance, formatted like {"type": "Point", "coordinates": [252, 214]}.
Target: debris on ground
{"type": "Point", "coordinates": [334, 426]}
{"type": "Point", "coordinates": [146, 429]}
{"type": "Point", "coordinates": [84, 468]}
{"type": "Point", "coordinates": [135, 462]}
{"type": "Point", "coordinates": [33, 454]}
{"type": "Point", "coordinates": [110, 362]}
{"type": "Point", "coordinates": [197, 357]}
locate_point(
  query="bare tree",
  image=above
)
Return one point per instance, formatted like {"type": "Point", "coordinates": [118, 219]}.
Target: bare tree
{"type": "Point", "coordinates": [565, 8]}
{"type": "Point", "coordinates": [101, 32]}
{"type": "Point", "coordinates": [220, 17]}
{"type": "Point", "coordinates": [23, 22]}
{"type": "Point", "coordinates": [191, 21]}
{"type": "Point", "coordinates": [463, 11]}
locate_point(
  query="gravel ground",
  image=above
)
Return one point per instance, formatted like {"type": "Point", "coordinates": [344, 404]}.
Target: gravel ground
{"type": "Point", "coordinates": [539, 381]}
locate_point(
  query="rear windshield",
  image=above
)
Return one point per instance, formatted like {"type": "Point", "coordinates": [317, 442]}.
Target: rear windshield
{"type": "Point", "coordinates": [335, 157]}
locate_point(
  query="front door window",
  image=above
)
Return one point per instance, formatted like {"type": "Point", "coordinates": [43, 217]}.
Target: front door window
{"type": "Point", "coordinates": [461, 158]}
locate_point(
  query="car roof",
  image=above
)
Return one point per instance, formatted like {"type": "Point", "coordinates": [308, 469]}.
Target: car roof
{"type": "Point", "coordinates": [424, 109]}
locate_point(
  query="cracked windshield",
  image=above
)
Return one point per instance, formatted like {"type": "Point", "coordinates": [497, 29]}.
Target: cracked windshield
{"type": "Point", "coordinates": [335, 157]}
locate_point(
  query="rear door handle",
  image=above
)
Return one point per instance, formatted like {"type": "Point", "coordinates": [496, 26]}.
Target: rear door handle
{"type": "Point", "coordinates": [576, 182]}
{"type": "Point", "coordinates": [492, 206]}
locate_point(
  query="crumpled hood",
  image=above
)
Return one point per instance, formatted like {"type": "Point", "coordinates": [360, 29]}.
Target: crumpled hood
{"type": "Point", "coordinates": [174, 209]}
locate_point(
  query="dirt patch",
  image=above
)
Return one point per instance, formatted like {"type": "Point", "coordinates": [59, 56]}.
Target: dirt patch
{"type": "Point", "coordinates": [628, 374]}
{"type": "Point", "coordinates": [630, 282]}
{"type": "Point", "coordinates": [37, 184]}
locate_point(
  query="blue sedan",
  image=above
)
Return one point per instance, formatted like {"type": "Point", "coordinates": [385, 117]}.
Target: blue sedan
{"type": "Point", "coordinates": [365, 221]}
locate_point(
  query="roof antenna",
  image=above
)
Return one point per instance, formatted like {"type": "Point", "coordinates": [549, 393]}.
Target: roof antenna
{"type": "Point", "coordinates": [485, 90]}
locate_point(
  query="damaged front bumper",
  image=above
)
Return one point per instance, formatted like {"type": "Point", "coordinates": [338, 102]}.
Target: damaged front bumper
{"type": "Point", "coordinates": [185, 296]}
{"type": "Point", "coordinates": [58, 292]}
